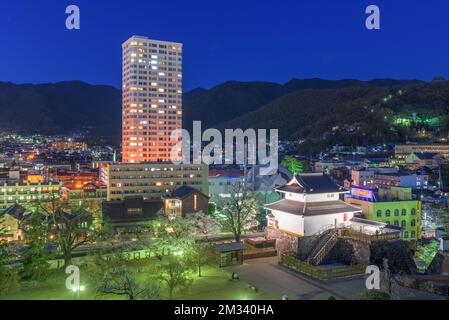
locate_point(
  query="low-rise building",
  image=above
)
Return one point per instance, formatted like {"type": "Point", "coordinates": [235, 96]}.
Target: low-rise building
{"type": "Point", "coordinates": [398, 179]}
{"type": "Point", "coordinates": [406, 149]}
{"type": "Point", "coordinates": [392, 206]}
{"type": "Point", "coordinates": [79, 192]}
{"type": "Point", "coordinates": [58, 146]}
{"type": "Point", "coordinates": [131, 214]}
{"type": "Point", "coordinates": [184, 201]}
{"type": "Point", "coordinates": [222, 181]}
{"type": "Point", "coordinates": [362, 178]}
{"type": "Point", "coordinates": [327, 166]}
{"type": "Point", "coordinates": [11, 223]}
{"type": "Point", "coordinates": [425, 159]}
{"type": "Point", "coordinates": [20, 193]}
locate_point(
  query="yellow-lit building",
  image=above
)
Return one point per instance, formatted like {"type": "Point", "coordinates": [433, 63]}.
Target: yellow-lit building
{"type": "Point", "coordinates": [21, 193]}
{"type": "Point", "coordinates": [58, 146]}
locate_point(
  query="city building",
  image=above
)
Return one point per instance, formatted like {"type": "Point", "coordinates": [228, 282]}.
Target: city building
{"type": "Point", "coordinates": [131, 214]}
{"type": "Point", "coordinates": [405, 149]}
{"type": "Point", "coordinates": [67, 177]}
{"type": "Point", "coordinates": [151, 180]}
{"type": "Point", "coordinates": [68, 146]}
{"type": "Point", "coordinates": [392, 206]}
{"type": "Point", "coordinates": [327, 166]}
{"type": "Point", "coordinates": [184, 201]}
{"type": "Point", "coordinates": [20, 193]}
{"type": "Point", "coordinates": [152, 98]}
{"type": "Point", "coordinates": [362, 178]}
{"type": "Point", "coordinates": [77, 192]}
{"type": "Point", "coordinates": [398, 179]}
{"type": "Point", "coordinates": [425, 159]}
{"type": "Point", "coordinates": [11, 223]}
{"type": "Point", "coordinates": [222, 181]}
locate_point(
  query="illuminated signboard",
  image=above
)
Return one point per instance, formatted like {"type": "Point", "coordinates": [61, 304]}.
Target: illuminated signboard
{"type": "Point", "coordinates": [363, 194]}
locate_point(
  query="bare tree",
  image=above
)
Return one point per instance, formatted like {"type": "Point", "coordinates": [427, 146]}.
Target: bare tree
{"type": "Point", "coordinates": [174, 273]}
{"type": "Point", "coordinates": [69, 226]}
{"type": "Point", "coordinates": [121, 281]}
{"type": "Point", "coordinates": [239, 210]}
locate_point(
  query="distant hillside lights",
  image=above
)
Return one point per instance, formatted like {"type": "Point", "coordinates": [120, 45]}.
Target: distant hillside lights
{"type": "Point", "coordinates": [251, 147]}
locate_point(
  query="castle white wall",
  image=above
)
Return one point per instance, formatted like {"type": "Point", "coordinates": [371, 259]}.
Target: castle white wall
{"type": "Point", "coordinates": [289, 222]}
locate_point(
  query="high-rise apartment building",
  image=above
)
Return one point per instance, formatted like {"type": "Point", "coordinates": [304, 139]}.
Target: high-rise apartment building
{"type": "Point", "coordinates": [152, 98]}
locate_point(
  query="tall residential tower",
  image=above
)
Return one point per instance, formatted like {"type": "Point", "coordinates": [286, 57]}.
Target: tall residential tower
{"type": "Point", "coordinates": [152, 98]}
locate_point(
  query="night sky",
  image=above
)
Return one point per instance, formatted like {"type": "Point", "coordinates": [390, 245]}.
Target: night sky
{"type": "Point", "coordinates": [227, 39]}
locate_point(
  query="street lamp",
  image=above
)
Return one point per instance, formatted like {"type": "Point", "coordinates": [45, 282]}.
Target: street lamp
{"type": "Point", "coordinates": [78, 289]}
{"type": "Point", "coordinates": [178, 253]}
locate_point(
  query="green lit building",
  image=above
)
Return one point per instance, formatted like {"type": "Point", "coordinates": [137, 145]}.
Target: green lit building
{"type": "Point", "coordinates": [394, 206]}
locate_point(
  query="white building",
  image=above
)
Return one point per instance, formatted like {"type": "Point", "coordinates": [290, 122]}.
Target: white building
{"type": "Point", "coordinates": [311, 203]}
{"type": "Point", "coordinates": [152, 98]}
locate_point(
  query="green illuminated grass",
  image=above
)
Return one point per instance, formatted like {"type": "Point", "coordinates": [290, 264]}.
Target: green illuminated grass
{"type": "Point", "coordinates": [215, 284]}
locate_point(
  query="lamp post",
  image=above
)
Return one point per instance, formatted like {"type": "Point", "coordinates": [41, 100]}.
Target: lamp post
{"type": "Point", "coordinates": [78, 289]}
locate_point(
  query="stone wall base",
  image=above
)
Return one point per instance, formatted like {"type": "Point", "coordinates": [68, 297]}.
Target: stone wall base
{"type": "Point", "coordinates": [285, 242]}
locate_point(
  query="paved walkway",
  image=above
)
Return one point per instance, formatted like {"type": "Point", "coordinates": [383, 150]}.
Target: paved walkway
{"type": "Point", "coordinates": [266, 274]}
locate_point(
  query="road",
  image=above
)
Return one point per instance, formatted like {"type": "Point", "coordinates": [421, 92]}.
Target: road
{"type": "Point", "coordinates": [266, 274]}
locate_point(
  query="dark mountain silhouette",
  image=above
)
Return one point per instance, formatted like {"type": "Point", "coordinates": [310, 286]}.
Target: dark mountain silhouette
{"type": "Point", "coordinates": [62, 107]}
{"type": "Point", "coordinates": [301, 108]}
{"type": "Point", "coordinates": [232, 99]}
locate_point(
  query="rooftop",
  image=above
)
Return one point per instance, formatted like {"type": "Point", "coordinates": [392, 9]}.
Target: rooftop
{"type": "Point", "coordinates": [310, 183]}
{"type": "Point", "coordinates": [182, 192]}
{"type": "Point", "coordinates": [312, 208]}
{"type": "Point", "coordinates": [426, 155]}
{"type": "Point", "coordinates": [232, 246]}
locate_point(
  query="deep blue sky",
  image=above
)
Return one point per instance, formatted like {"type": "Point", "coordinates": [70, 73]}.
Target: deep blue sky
{"type": "Point", "coordinates": [227, 39]}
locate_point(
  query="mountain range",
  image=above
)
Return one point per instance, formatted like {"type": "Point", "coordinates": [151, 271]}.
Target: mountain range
{"type": "Point", "coordinates": [310, 109]}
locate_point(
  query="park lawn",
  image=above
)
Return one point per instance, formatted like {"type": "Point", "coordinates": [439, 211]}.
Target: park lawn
{"type": "Point", "coordinates": [215, 284]}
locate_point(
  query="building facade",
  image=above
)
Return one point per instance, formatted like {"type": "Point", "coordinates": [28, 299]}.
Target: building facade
{"type": "Point", "coordinates": [152, 98]}
{"type": "Point", "coordinates": [21, 193]}
{"type": "Point", "coordinates": [68, 146]}
{"type": "Point", "coordinates": [151, 180]}
{"type": "Point", "coordinates": [362, 178]}
{"type": "Point", "coordinates": [404, 149]}
{"type": "Point", "coordinates": [414, 181]}
{"type": "Point", "coordinates": [77, 194]}
{"type": "Point", "coordinates": [392, 206]}
{"type": "Point", "coordinates": [185, 201]}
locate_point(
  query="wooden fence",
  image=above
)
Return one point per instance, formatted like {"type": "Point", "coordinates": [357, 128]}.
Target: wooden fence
{"type": "Point", "coordinates": [356, 235]}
